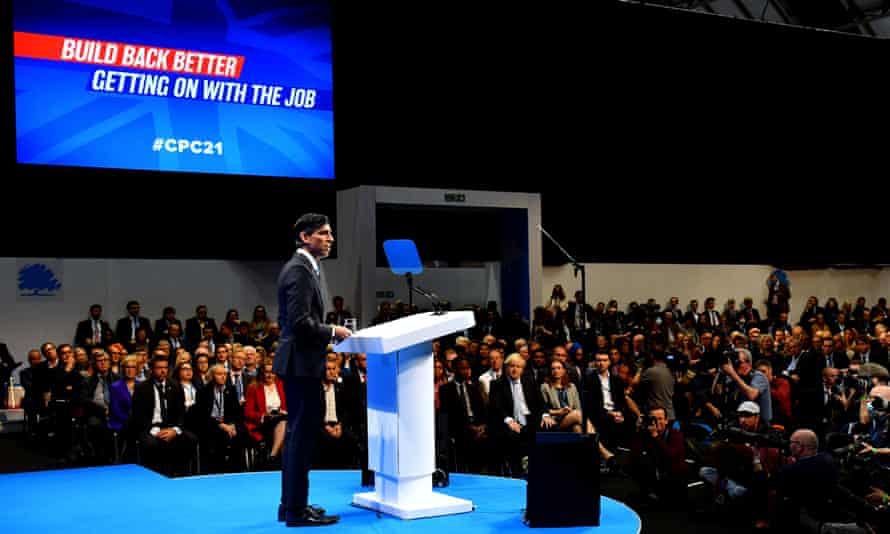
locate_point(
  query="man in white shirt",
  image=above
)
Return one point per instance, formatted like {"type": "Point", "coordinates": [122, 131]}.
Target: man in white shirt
{"type": "Point", "coordinates": [496, 359]}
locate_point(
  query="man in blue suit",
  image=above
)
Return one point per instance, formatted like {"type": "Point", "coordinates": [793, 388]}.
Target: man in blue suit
{"type": "Point", "coordinates": [300, 362]}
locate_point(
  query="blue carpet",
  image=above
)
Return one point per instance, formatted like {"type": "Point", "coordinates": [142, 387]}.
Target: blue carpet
{"type": "Point", "coordinates": [130, 499]}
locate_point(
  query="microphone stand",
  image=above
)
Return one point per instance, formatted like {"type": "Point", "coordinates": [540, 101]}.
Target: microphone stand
{"type": "Point", "coordinates": [584, 374]}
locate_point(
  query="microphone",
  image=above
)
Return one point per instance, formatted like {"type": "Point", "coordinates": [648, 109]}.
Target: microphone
{"type": "Point", "coordinates": [434, 299]}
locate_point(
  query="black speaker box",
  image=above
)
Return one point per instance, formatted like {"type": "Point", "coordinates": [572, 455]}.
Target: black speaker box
{"type": "Point", "coordinates": [563, 481]}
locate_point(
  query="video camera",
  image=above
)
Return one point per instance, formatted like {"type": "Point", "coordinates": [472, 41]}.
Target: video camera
{"type": "Point", "coordinates": [852, 381]}
{"type": "Point", "coordinates": [676, 361]}
{"type": "Point", "coordinates": [734, 434]}
{"type": "Point", "coordinates": [728, 355]}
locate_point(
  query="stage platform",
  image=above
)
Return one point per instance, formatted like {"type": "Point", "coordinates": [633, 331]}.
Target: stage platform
{"type": "Point", "coordinates": [131, 499]}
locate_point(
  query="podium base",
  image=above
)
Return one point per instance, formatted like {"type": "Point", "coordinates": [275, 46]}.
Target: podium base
{"type": "Point", "coordinates": [433, 505]}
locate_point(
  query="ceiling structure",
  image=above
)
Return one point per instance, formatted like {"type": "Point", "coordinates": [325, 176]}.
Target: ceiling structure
{"type": "Point", "coordinates": [864, 17]}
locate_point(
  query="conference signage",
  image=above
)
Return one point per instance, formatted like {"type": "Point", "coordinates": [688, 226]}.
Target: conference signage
{"type": "Point", "coordinates": [215, 86]}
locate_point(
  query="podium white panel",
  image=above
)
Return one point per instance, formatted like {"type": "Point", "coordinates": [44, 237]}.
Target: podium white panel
{"type": "Point", "coordinates": [401, 414]}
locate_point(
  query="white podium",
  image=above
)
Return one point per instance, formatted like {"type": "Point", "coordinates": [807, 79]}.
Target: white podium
{"type": "Point", "coordinates": [401, 414]}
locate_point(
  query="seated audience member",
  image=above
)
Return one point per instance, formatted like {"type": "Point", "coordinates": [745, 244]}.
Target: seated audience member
{"type": "Point", "coordinates": [462, 403]}
{"type": "Point", "coordinates": [190, 389]}
{"type": "Point", "coordinates": [251, 365]}
{"type": "Point", "coordinates": [515, 413]}
{"type": "Point", "coordinates": [158, 421]}
{"type": "Point", "coordinates": [265, 413]}
{"type": "Point", "coordinates": [236, 377]}
{"type": "Point", "coordinates": [82, 362]}
{"type": "Point", "coordinates": [272, 334]}
{"type": "Point", "coordinates": [202, 367]}
{"type": "Point", "coordinates": [608, 403]}
{"type": "Point", "coordinates": [121, 408]}
{"type": "Point", "coordinates": [196, 328]}
{"type": "Point", "coordinates": [242, 334]}
{"type": "Point", "coordinates": [164, 324]}
{"type": "Point", "coordinates": [221, 357]}
{"type": "Point", "coordinates": [95, 397]}
{"type": "Point", "coordinates": [117, 353]}
{"type": "Point", "coordinates": [337, 445]}
{"type": "Point", "coordinates": [659, 458]}
{"type": "Point", "coordinates": [258, 323]}
{"type": "Point", "coordinates": [496, 370]}
{"type": "Point", "coordinates": [32, 402]}
{"type": "Point", "coordinates": [174, 338]}
{"type": "Point", "coordinates": [563, 403]}
{"type": "Point", "coordinates": [223, 422]}
{"type": "Point", "coordinates": [121, 394]}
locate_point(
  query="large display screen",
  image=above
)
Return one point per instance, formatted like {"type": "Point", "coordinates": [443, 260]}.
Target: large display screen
{"type": "Point", "coordinates": [215, 86]}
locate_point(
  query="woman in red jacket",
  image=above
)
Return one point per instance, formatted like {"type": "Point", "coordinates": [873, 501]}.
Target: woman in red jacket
{"type": "Point", "coordinates": [265, 410]}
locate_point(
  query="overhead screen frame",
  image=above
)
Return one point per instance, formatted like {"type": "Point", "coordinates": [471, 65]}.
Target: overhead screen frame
{"type": "Point", "coordinates": [63, 174]}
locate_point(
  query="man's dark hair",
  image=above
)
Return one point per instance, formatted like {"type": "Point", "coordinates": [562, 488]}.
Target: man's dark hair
{"type": "Point", "coordinates": [132, 303]}
{"type": "Point", "coordinates": [200, 306]}
{"type": "Point", "coordinates": [338, 298]}
{"type": "Point", "coordinates": [62, 347]}
{"type": "Point", "coordinates": [169, 309]}
{"type": "Point", "coordinates": [94, 306]}
{"type": "Point", "coordinates": [309, 223]}
{"type": "Point", "coordinates": [159, 358]}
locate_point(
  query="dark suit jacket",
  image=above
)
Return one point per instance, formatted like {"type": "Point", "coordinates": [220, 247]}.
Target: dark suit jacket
{"type": "Point", "coordinates": [85, 331]}
{"type": "Point", "coordinates": [144, 405]}
{"type": "Point", "coordinates": [123, 329]}
{"type": "Point", "coordinates": [342, 398]}
{"type": "Point", "coordinates": [162, 328]}
{"type": "Point", "coordinates": [571, 315]}
{"type": "Point", "coordinates": [88, 390]}
{"type": "Point", "coordinates": [233, 414]}
{"type": "Point", "coordinates": [594, 398]}
{"type": "Point", "coordinates": [304, 336]}
{"type": "Point", "coordinates": [501, 403]}
{"type": "Point", "coordinates": [193, 332]}
{"type": "Point", "coordinates": [451, 404]}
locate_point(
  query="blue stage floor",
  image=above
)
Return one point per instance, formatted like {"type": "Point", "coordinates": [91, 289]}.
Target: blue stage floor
{"type": "Point", "coordinates": [130, 499]}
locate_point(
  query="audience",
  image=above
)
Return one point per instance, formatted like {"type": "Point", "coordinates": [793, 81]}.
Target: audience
{"type": "Point", "coordinates": [654, 377]}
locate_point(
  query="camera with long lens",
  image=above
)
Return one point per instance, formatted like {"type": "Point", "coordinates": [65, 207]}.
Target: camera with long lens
{"type": "Point", "coordinates": [734, 434]}
{"type": "Point", "coordinates": [676, 361]}
{"type": "Point", "coordinates": [853, 381]}
{"type": "Point", "coordinates": [729, 355]}
{"type": "Point", "coordinates": [647, 420]}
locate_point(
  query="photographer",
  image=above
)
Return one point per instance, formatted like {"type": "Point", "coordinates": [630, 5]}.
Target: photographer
{"type": "Point", "coordinates": [873, 419]}
{"type": "Point", "coordinates": [741, 461]}
{"type": "Point", "coordinates": [742, 382]}
{"type": "Point", "coordinates": [805, 488]}
{"type": "Point", "coordinates": [659, 466]}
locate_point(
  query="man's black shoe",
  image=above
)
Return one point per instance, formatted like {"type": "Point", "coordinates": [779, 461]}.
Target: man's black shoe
{"type": "Point", "coordinates": [311, 519]}
{"type": "Point", "coordinates": [318, 510]}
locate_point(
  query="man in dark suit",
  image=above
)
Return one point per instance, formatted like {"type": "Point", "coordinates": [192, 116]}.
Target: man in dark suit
{"type": "Point", "coordinates": [194, 327]}
{"type": "Point", "coordinates": [162, 325]}
{"type": "Point", "coordinates": [338, 442]}
{"type": "Point", "coordinates": [579, 317]}
{"type": "Point", "coordinates": [299, 361]}
{"type": "Point", "coordinates": [516, 411]}
{"type": "Point", "coordinates": [91, 332]}
{"type": "Point", "coordinates": [159, 416]}
{"type": "Point", "coordinates": [462, 401]}
{"type": "Point", "coordinates": [128, 325]}
{"type": "Point", "coordinates": [607, 405]}
{"type": "Point", "coordinates": [221, 418]}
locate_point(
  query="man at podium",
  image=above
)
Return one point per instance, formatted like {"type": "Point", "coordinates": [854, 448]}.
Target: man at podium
{"type": "Point", "coordinates": [300, 362]}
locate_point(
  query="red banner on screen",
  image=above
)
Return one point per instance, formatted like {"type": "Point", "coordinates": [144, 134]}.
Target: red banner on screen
{"type": "Point", "coordinates": [131, 56]}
